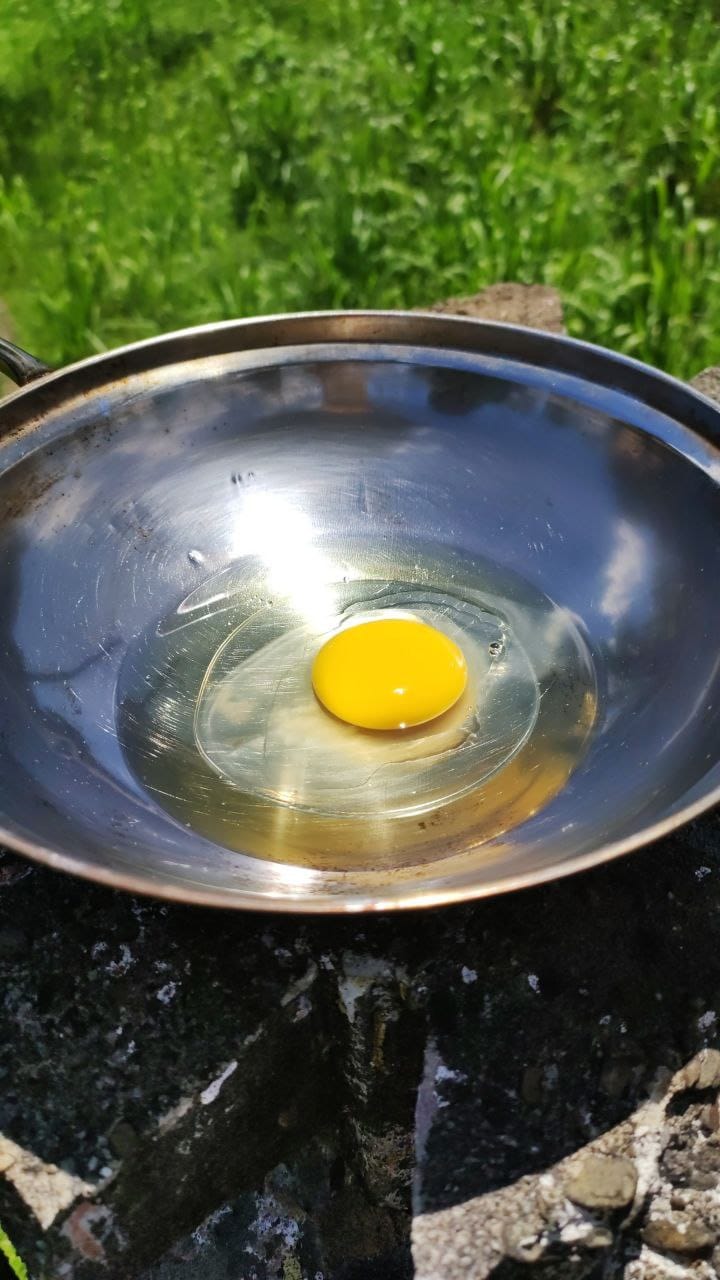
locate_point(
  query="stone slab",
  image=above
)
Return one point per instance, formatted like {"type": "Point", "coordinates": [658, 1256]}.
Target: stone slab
{"type": "Point", "coordinates": [536, 306]}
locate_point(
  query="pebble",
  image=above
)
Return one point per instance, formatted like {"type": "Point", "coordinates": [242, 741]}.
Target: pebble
{"type": "Point", "coordinates": [602, 1182]}
{"type": "Point", "coordinates": [678, 1234]}
{"type": "Point", "coordinates": [122, 1139]}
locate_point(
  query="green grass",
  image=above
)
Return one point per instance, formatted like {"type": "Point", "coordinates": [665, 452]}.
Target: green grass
{"type": "Point", "coordinates": [7, 1251]}
{"type": "Point", "coordinates": [167, 162]}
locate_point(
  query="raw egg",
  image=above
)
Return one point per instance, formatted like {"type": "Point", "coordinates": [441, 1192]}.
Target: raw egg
{"type": "Point", "coordinates": [391, 673]}
{"type": "Point", "coordinates": [262, 726]}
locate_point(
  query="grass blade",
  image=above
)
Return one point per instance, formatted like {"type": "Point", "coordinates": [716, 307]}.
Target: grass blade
{"type": "Point", "coordinates": [8, 1251]}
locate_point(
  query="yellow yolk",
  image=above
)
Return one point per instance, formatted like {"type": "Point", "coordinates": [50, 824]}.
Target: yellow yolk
{"type": "Point", "coordinates": [392, 673]}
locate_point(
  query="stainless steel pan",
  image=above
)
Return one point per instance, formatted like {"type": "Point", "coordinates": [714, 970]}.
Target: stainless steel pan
{"type": "Point", "coordinates": [394, 442]}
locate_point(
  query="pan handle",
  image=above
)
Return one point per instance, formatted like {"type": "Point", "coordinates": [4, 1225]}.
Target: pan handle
{"type": "Point", "coordinates": [20, 365]}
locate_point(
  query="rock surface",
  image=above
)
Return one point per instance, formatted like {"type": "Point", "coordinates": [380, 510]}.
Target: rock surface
{"type": "Point", "coordinates": [188, 1095]}
{"type": "Point", "coordinates": [709, 383]}
{"type": "Point", "coordinates": [535, 305]}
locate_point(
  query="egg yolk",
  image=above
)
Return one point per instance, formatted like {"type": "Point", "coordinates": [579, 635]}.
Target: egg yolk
{"type": "Point", "coordinates": [391, 673]}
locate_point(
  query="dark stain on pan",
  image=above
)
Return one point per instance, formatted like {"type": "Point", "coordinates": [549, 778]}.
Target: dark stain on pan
{"type": "Point", "coordinates": [24, 488]}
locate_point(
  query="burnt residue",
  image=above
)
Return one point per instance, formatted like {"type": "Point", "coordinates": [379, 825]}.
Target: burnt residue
{"type": "Point", "coordinates": [25, 486]}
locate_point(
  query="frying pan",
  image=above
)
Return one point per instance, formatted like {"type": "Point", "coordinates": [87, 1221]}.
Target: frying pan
{"type": "Point", "coordinates": [586, 479]}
